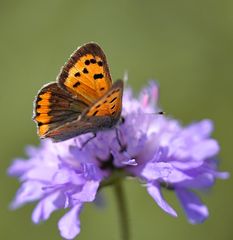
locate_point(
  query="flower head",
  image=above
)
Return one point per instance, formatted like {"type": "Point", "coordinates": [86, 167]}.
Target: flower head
{"type": "Point", "coordinates": [153, 148]}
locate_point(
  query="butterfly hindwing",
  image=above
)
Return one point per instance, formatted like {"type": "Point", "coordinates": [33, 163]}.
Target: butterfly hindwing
{"type": "Point", "coordinates": [54, 107]}
{"type": "Point", "coordinates": [86, 74]}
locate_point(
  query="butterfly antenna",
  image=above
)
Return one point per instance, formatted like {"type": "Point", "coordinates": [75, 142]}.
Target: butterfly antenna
{"type": "Point", "coordinates": [160, 113]}
{"type": "Point", "coordinates": [157, 113]}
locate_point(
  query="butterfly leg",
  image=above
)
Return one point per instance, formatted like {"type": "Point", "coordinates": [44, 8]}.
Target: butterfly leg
{"type": "Point", "coordinates": [88, 140]}
{"type": "Point", "coordinates": [123, 147]}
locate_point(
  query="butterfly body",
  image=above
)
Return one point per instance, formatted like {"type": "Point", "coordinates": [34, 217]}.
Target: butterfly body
{"type": "Point", "coordinates": [82, 100]}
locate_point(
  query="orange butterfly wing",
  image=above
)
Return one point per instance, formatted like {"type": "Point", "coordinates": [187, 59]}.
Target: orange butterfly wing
{"type": "Point", "coordinates": [86, 74]}
{"type": "Point", "coordinates": [83, 99]}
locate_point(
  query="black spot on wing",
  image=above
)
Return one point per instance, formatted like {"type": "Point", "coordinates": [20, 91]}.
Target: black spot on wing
{"type": "Point", "coordinates": [85, 70]}
{"type": "Point", "coordinates": [77, 74]}
{"type": "Point", "coordinates": [76, 84]}
{"type": "Point", "coordinates": [87, 62]}
{"type": "Point", "coordinates": [93, 60]}
{"type": "Point", "coordinates": [113, 99]}
{"type": "Point", "coordinates": [95, 113]}
{"type": "Point", "coordinates": [98, 76]}
{"type": "Point", "coordinates": [100, 63]}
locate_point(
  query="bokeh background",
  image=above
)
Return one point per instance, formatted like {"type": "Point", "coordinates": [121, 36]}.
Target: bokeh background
{"type": "Point", "coordinates": [187, 45]}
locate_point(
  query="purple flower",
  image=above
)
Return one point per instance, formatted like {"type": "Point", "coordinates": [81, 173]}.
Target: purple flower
{"type": "Point", "coordinates": [154, 148]}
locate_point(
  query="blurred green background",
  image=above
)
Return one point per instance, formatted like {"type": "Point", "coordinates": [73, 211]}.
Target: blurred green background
{"type": "Point", "coordinates": [186, 45]}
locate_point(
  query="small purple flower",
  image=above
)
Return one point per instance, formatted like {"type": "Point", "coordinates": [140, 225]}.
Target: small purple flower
{"type": "Point", "coordinates": [154, 148]}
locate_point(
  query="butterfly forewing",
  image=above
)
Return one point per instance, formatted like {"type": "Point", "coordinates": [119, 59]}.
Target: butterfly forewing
{"type": "Point", "coordinates": [86, 74]}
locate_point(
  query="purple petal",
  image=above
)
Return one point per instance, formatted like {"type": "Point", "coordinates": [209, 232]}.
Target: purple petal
{"type": "Point", "coordinates": [222, 175]}
{"type": "Point", "coordinates": [164, 171]}
{"type": "Point", "coordinates": [205, 149]}
{"type": "Point", "coordinates": [186, 164]}
{"type": "Point", "coordinates": [48, 205]}
{"type": "Point", "coordinates": [153, 170]}
{"type": "Point", "coordinates": [203, 181]}
{"type": "Point", "coordinates": [68, 176]}
{"type": "Point", "coordinates": [41, 173]}
{"type": "Point", "coordinates": [195, 211]}
{"type": "Point", "coordinates": [19, 167]}
{"type": "Point", "coordinates": [200, 129]}
{"type": "Point", "coordinates": [69, 224]}
{"type": "Point", "coordinates": [88, 192]}
{"type": "Point", "coordinates": [154, 191]}
{"type": "Point", "coordinates": [28, 192]}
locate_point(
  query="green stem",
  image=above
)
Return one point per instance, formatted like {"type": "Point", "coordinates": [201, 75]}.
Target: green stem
{"type": "Point", "coordinates": [122, 210]}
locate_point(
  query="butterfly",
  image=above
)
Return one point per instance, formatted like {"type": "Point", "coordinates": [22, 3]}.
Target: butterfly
{"type": "Point", "coordinates": [83, 99]}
